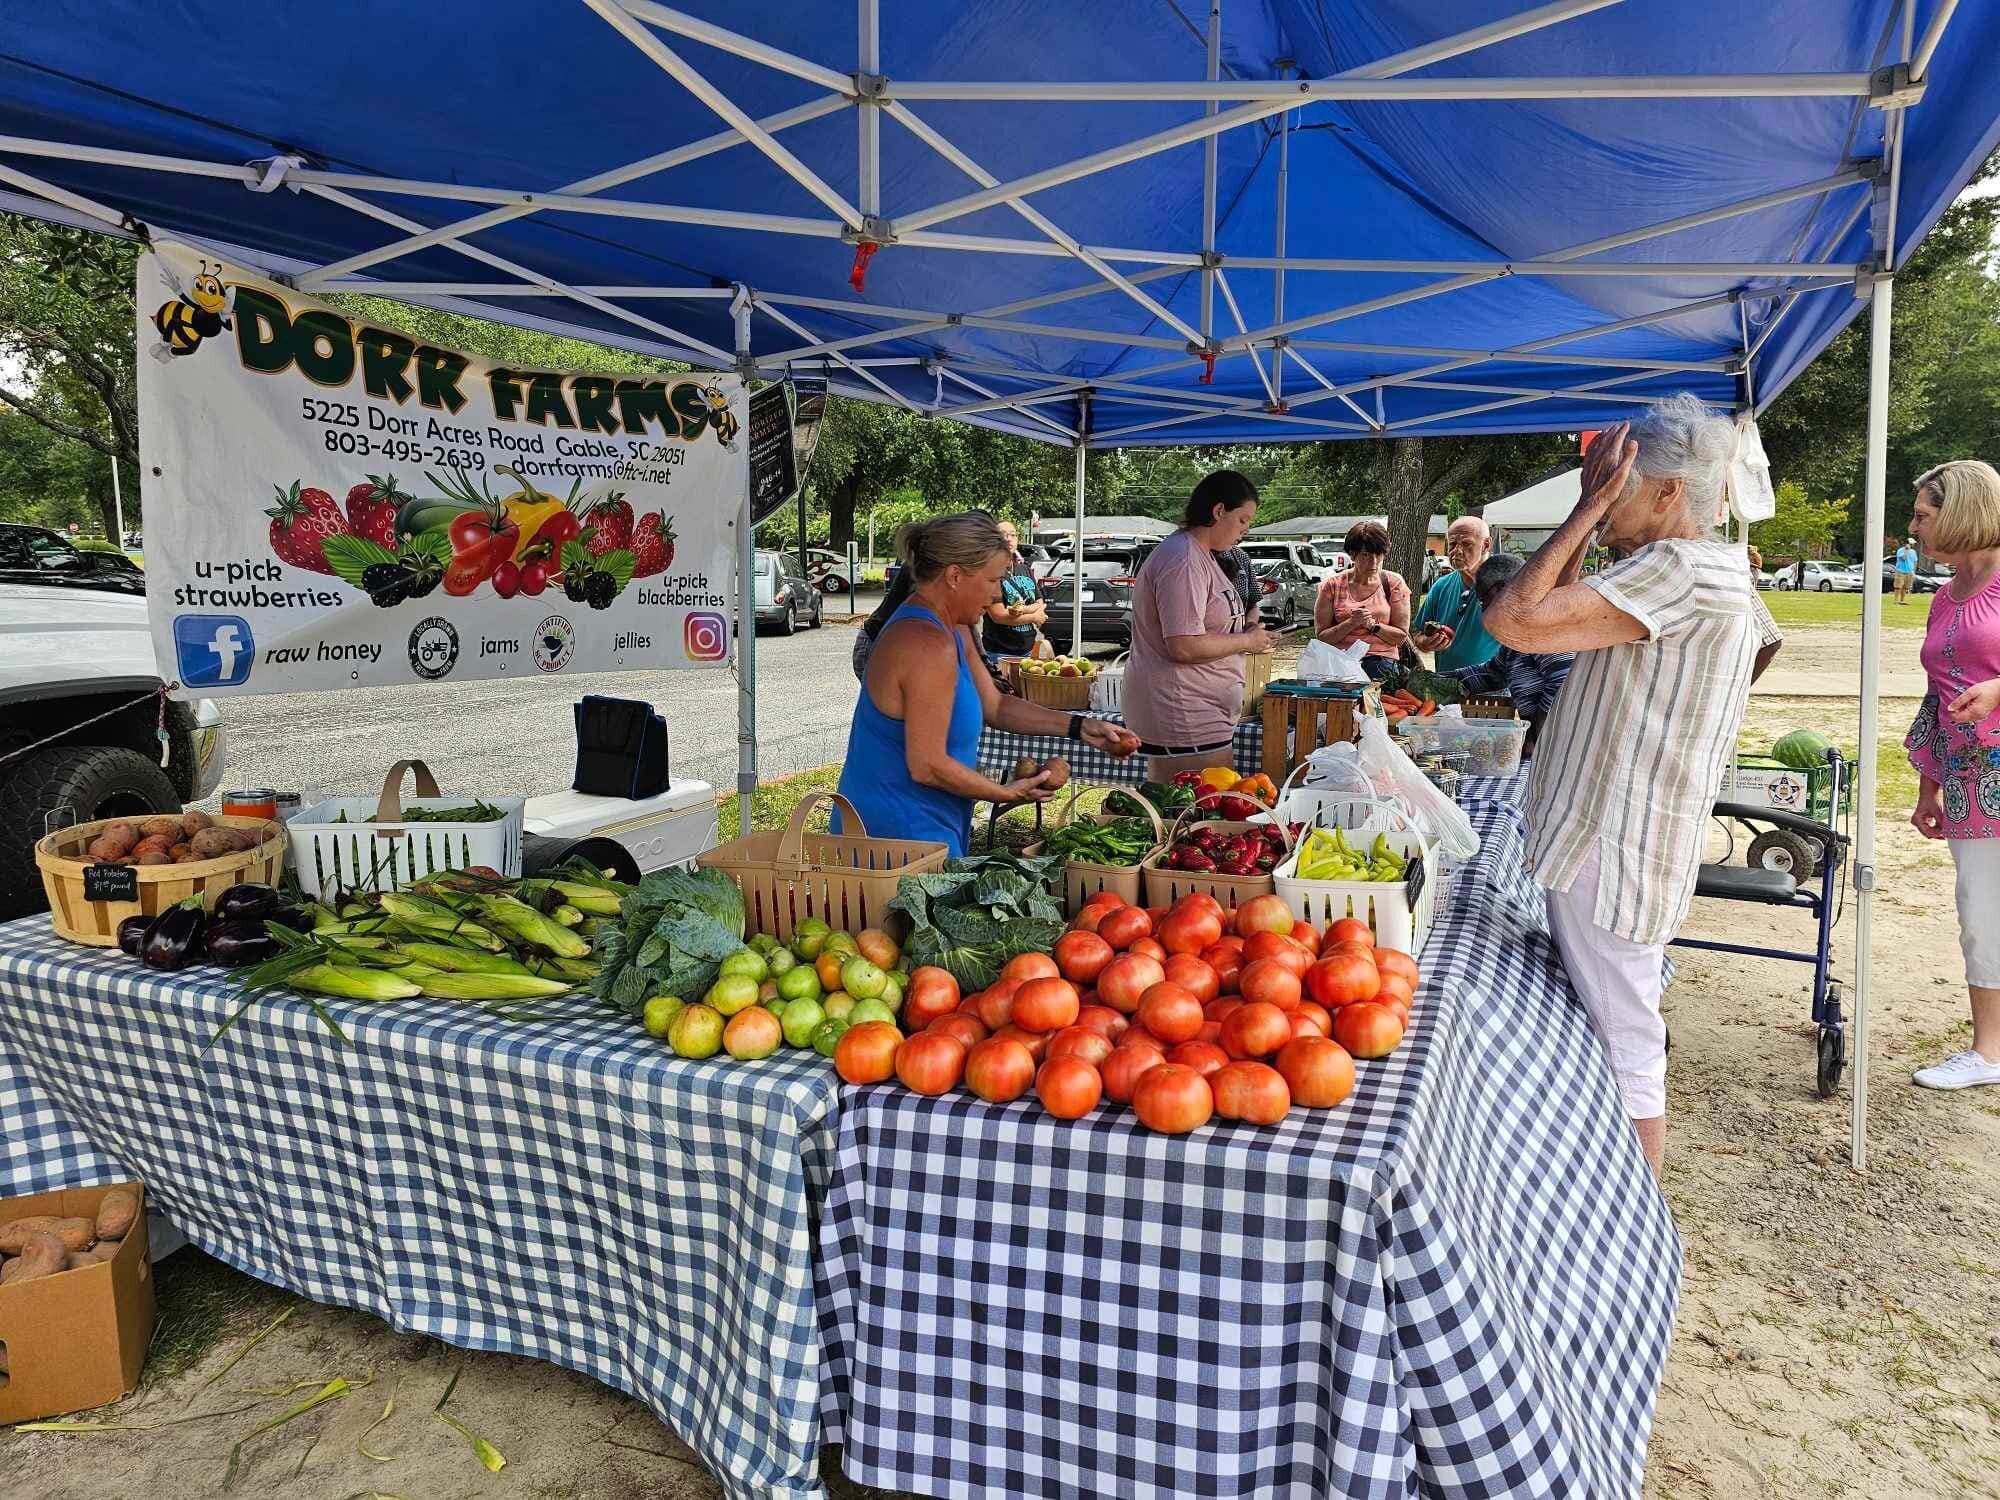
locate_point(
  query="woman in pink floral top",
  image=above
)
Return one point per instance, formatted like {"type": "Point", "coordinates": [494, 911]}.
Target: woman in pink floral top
{"type": "Point", "coordinates": [1955, 742]}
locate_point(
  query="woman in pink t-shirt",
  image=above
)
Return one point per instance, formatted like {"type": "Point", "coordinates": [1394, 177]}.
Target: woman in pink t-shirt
{"type": "Point", "coordinates": [1955, 742]}
{"type": "Point", "coordinates": [1183, 688]}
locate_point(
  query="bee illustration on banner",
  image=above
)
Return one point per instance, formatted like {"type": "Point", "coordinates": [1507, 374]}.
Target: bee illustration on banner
{"type": "Point", "coordinates": [720, 417]}
{"type": "Point", "coordinates": [198, 312]}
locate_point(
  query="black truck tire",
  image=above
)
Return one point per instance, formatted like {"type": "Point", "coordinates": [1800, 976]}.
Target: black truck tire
{"type": "Point", "coordinates": [92, 781]}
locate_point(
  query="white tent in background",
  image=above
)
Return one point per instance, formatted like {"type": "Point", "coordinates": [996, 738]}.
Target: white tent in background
{"type": "Point", "coordinates": [1542, 506]}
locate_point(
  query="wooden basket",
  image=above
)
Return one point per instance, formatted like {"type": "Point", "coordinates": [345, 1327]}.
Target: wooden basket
{"type": "Point", "coordinates": [1164, 887]}
{"type": "Point", "coordinates": [1069, 694]}
{"type": "Point", "coordinates": [847, 880]}
{"type": "Point", "coordinates": [60, 857]}
{"type": "Point", "coordinates": [1083, 879]}
{"type": "Point", "coordinates": [1487, 706]}
{"type": "Point", "coordinates": [1298, 719]}
{"type": "Point", "coordinates": [1256, 680]}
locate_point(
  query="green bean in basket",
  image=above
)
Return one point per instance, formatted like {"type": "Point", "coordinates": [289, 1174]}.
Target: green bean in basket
{"type": "Point", "coordinates": [1125, 841]}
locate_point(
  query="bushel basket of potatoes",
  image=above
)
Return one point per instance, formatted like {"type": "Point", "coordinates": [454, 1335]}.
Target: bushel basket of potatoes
{"type": "Point", "coordinates": [98, 874]}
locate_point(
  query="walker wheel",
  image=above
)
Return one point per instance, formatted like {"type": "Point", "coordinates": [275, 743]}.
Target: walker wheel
{"type": "Point", "coordinates": [1832, 1059]}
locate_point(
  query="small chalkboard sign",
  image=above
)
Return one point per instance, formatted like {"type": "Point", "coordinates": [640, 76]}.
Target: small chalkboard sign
{"type": "Point", "coordinates": [773, 472]}
{"type": "Point", "coordinates": [110, 883]}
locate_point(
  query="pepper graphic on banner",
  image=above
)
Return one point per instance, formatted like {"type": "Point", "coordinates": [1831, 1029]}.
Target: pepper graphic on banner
{"type": "Point", "coordinates": [341, 489]}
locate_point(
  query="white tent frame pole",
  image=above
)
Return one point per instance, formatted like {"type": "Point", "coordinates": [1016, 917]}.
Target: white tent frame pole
{"type": "Point", "coordinates": [691, 79]}
{"type": "Point", "coordinates": [896, 397]}
{"type": "Point", "coordinates": [734, 42]}
{"type": "Point", "coordinates": [1236, 316]}
{"type": "Point", "coordinates": [616, 177]}
{"type": "Point", "coordinates": [1578, 392]}
{"type": "Point", "coordinates": [373, 288]}
{"type": "Point", "coordinates": [1324, 384]}
{"type": "Point", "coordinates": [1076, 548]}
{"type": "Point", "coordinates": [1439, 351]}
{"type": "Point", "coordinates": [1283, 186]}
{"type": "Point", "coordinates": [977, 389]}
{"type": "Point", "coordinates": [1920, 61]}
{"type": "Point", "coordinates": [1211, 149]}
{"type": "Point", "coordinates": [1358, 88]}
{"type": "Point", "coordinates": [90, 208]}
{"type": "Point", "coordinates": [1431, 418]}
{"type": "Point", "coordinates": [746, 600]}
{"type": "Point", "coordinates": [868, 139]}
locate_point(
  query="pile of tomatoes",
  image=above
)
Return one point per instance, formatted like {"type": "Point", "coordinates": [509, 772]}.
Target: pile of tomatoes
{"type": "Point", "coordinates": [1185, 1013]}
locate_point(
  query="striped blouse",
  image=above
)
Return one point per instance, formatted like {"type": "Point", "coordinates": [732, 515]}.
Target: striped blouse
{"type": "Point", "coordinates": [1634, 752]}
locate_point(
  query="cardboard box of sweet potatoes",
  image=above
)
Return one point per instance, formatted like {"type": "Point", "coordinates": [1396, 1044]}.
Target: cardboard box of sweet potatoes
{"type": "Point", "coordinates": [76, 1299]}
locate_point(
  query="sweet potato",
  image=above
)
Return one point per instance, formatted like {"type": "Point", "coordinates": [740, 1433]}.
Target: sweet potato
{"type": "Point", "coordinates": [168, 828]}
{"type": "Point", "coordinates": [43, 1255]}
{"type": "Point", "coordinates": [180, 854]}
{"type": "Point", "coordinates": [75, 1234]}
{"type": "Point", "coordinates": [115, 1212]}
{"type": "Point", "coordinates": [104, 1249]}
{"type": "Point", "coordinates": [8, 1271]}
{"type": "Point", "coordinates": [193, 821]}
{"type": "Point", "coordinates": [76, 1260]}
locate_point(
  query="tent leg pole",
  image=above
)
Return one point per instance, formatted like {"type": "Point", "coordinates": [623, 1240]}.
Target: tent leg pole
{"type": "Point", "coordinates": [1076, 555]}
{"type": "Point", "coordinates": [1881, 301]}
{"type": "Point", "coordinates": [746, 604]}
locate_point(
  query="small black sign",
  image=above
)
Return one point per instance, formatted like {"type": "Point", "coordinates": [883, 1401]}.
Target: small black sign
{"type": "Point", "coordinates": [773, 472]}
{"type": "Point", "coordinates": [110, 883]}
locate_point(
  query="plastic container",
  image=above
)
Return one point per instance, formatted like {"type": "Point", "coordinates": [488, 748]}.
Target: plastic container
{"type": "Point", "coordinates": [363, 843]}
{"type": "Point", "coordinates": [1401, 914]}
{"type": "Point", "coordinates": [1471, 747]}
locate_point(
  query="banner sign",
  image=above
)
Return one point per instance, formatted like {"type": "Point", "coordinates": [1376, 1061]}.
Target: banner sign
{"type": "Point", "coordinates": [334, 505]}
{"type": "Point", "coordinates": [773, 479]}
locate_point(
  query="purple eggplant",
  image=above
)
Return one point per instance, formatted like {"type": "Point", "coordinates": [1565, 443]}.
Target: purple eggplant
{"type": "Point", "coordinates": [175, 936]}
{"type": "Point", "coordinates": [257, 901]}
{"type": "Point", "coordinates": [132, 935]}
{"type": "Point", "coordinates": [295, 917]}
{"type": "Point", "coordinates": [240, 941]}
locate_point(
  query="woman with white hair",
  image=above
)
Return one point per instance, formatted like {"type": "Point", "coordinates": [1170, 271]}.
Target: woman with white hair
{"type": "Point", "coordinates": [1632, 755]}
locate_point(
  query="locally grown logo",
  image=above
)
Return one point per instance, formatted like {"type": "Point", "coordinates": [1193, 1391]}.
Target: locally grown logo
{"type": "Point", "coordinates": [213, 650]}
{"type": "Point", "coordinates": [433, 648]}
{"type": "Point", "coordinates": [555, 643]}
{"type": "Point", "coordinates": [705, 636]}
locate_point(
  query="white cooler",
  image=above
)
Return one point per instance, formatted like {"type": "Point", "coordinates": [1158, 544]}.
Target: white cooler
{"type": "Point", "coordinates": [669, 829]}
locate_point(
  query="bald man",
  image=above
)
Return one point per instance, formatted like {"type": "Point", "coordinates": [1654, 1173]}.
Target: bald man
{"type": "Point", "coordinates": [1450, 623]}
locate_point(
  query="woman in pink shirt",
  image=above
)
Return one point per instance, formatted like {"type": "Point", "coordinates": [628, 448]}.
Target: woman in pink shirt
{"type": "Point", "coordinates": [1183, 688]}
{"type": "Point", "coordinates": [1955, 742]}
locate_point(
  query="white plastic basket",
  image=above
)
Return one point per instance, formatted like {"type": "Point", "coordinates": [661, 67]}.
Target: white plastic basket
{"type": "Point", "coordinates": [1325, 800]}
{"type": "Point", "coordinates": [1400, 914]}
{"type": "Point", "coordinates": [374, 849]}
{"type": "Point", "coordinates": [1107, 689]}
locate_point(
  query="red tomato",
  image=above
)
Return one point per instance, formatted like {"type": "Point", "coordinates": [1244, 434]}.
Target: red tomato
{"type": "Point", "coordinates": [1218, 1010]}
{"type": "Point", "coordinates": [1172, 1099]}
{"type": "Point", "coordinates": [1124, 927]}
{"type": "Point", "coordinates": [1211, 1031]}
{"type": "Point", "coordinates": [1138, 1036]}
{"type": "Point", "coordinates": [1170, 1013]}
{"type": "Point", "coordinates": [1359, 950]}
{"type": "Point", "coordinates": [1082, 956]}
{"type": "Point", "coordinates": [1319, 1073]}
{"type": "Point", "coordinates": [1046, 1005]}
{"type": "Point", "coordinates": [1103, 1020]}
{"type": "Point", "coordinates": [1399, 986]}
{"type": "Point", "coordinates": [1203, 1057]}
{"type": "Point", "coordinates": [968, 1029]}
{"type": "Point", "coordinates": [1268, 945]}
{"type": "Point", "coordinates": [1068, 1087]}
{"type": "Point", "coordinates": [1269, 981]}
{"type": "Point", "coordinates": [1190, 930]}
{"type": "Point", "coordinates": [1122, 1068]}
{"type": "Point", "coordinates": [1306, 936]}
{"type": "Point", "coordinates": [1026, 966]}
{"type": "Point", "coordinates": [1105, 899]}
{"type": "Point", "coordinates": [1037, 1042]}
{"type": "Point", "coordinates": [1343, 979]}
{"type": "Point", "coordinates": [1158, 914]}
{"type": "Point", "coordinates": [932, 993]}
{"type": "Point", "coordinates": [999, 1069]}
{"type": "Point", "coordinates": [1230, 941]}
{"type": "Point", "coordinates": [1126, 978]}
{"type": "Point", "coordinates": [1314, 1013]}
{"type": "Point", "coordinates": [1151, 948]}
{"type": "Point", "coordinates": [996, 1006]}
{"type": "Point", "coordinates": [1304, 1024]}
{"type": "Point", "coordinates": [1194, 976]}
{"type": "Point", "coordinates": [1090, 918]}
{"type": "Point", "coordinates": [1257, 1030]}
{"type": "Point", "coordinates": [1401, 1010]}
{"type": "Point", "coordinates": [1227, 963]}
{"type": "Point", "coordinates": [1202, 901]}
{"type": "Point", "coordinates": [1393, 961]}
{"type": "Point", "coordinates": [1251, 1091]}
{"type": "Point", "coordinates": [1351, 930]}
{"type": "Point", "coordinates": [1368, 1030]}
{"type": "Point", "coordinates": [867, 1053]}
{"type": "Point", "coordinates": [1080, 1041]}
{"type": "Point", "coordinates": [928, 1063]}
{"type": "Point", "coordinates": [1264, 914]}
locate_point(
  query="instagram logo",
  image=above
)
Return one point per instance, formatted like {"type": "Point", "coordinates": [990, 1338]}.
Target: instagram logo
{"type": "Point", "coordinates": [705, 637]}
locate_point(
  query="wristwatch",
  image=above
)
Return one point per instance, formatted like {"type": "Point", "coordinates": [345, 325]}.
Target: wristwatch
{"type": "Point", "coordinates": [1076, 727]}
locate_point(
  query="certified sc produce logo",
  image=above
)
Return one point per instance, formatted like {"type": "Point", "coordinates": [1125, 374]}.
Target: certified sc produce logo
{"type": "Point", "coordinates": [555, 643]}
{"type": "Point", "coordinates": [433, 648]}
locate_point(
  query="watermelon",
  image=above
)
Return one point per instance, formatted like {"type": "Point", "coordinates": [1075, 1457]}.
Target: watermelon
{"type": "Point", "coordinates": [1802, 749]}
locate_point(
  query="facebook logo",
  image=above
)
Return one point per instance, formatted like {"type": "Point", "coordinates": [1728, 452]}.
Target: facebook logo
{"type": "Point", "coordinates": [214, 650]}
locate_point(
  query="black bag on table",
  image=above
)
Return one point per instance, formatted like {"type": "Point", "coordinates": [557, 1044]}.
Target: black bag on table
{"type": "Point", "coordinates": [621, 748]}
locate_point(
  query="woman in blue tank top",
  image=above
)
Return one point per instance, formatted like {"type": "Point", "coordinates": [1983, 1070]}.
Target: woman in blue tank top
{"type": "Point", "coordinates": [912, 769]}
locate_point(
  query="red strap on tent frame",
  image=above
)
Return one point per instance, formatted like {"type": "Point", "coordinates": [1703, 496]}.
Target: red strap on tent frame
{"type": "Point", "coordinates": [863, 253]}
{"type": "Point", "coordinates": [1207, 370]}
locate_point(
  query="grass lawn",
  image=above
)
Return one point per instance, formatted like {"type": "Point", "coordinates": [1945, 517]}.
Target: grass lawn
{"type": "Point", "coordinates": [1845, 609]}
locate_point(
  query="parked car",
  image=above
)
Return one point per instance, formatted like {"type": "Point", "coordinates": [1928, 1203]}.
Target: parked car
{"type": "Point", "coordinates": [1822, 578]}
{"type": "Point", "coordinates": [78, 672]}
{"type": "Point", "coordinates": [1305, 555]}
{"type": "Point", "coordinates": [1107, 574]}
{"type": "Point", "coordinates": [1928, 579]}
{"type": "Point", "coordinates": [784, 598]}
{"type": "Point", "coordinates": [1288, 593]}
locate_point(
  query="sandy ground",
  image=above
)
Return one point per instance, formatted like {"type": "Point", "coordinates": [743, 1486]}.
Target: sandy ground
{"type": "Point", "coordinates": [1839, 1334]}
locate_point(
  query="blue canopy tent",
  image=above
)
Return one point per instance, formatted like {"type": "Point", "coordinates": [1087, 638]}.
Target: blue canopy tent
{"type": "Point", "coordinates": [1127, 222]}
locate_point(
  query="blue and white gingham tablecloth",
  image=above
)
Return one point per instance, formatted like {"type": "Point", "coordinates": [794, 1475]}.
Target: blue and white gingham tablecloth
{"type": "Point", "coordinates": [1000, 748]}
{"type": "Point", "coordinates": [565, 1189]}
{"type": "Point", "coordinates": [1461, 1282]}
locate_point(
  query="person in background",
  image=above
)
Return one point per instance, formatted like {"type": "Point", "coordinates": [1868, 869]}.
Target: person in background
{"type": "Point", "coordinates": [1183, 688]}
{"type": "Point", "coordinates": [1635, 749]}
{"type": "Point", "coordinates": [1450, 623]}
{"type": "Point", "coordinates": [1906, 569]}
{"type": "Point", "coordinates": [1531, 678]}
{"type": "Point", "coordinates": [1367, 602]}
{"type": "Point", "coordinates": [1236, 566]}
{"type": "Point", "coordinates": [1955, 742]}
{"type": "Point", "coordinates": [1769, 636]}
{"type": "Point", "coordinates": [912, 767]}
{"type": "Point", "coordinates": [1012, 620]}
{"type": "Point", "coordinates": [871, 628]}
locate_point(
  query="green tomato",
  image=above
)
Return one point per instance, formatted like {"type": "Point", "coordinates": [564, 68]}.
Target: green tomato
{"type": "Point", "coordinates": [731, 993]}
{"type": "Point", "coordinates": [763, 943]}
{"type": "Point", "coordinates": [749, 964]}
{"type": "Point", "coordinates": [828, 1037]}
{"type": "Point", "coordinates": [871, 1010]}
{"type": "Point", "coordinates": [696, 1032]}
{"type": "Point", "coordinates": [800, 982]}
{"type": "Point", "coordinates": [863, 980]}
{"type": "Point", "coordinates": [838, 1004]}
{"type": "Point", "coordinates": [809, 937]}
{"type": "Point", "coordinates": [782, 961]}
{"type": "Point", "coordinates": [659, 1013]}
{"type": "Point", "coordinates": [842, 943]}
{"type": "Point", "coordinates": [801, 1020]}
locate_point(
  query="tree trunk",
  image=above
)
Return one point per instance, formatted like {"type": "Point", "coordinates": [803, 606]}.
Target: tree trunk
{"type": "Point", "coordinates": [107, 508]}
{"type": "Point", "coordinates": [840, 513]}
{"type": "Point", "coordinates": [1399, 469]}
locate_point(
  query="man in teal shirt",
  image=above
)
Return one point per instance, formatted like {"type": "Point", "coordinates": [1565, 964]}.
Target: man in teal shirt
{"type": "Point", "coordinates": [1906, 570]}
{"type": "Point", "coordinates": [1449, 621]}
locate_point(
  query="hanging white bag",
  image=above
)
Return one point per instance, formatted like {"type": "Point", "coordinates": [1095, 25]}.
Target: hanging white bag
{"type": "Point", "coordinates": [1320, 662]}
{"type": "Point", "coordinates": [1436, 814]}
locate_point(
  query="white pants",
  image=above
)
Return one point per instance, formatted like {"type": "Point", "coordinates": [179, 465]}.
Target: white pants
{"type": "Point", "coordinates": [1978, 862]}
{"type": "Point", "coordinates": [1620, 985]}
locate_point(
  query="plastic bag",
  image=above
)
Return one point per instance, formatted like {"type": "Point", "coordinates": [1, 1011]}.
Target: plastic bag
{"type": "Point", "coordinates": [1395, 774]}
{"type": "Point", "coordinates": [1320, 662]}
